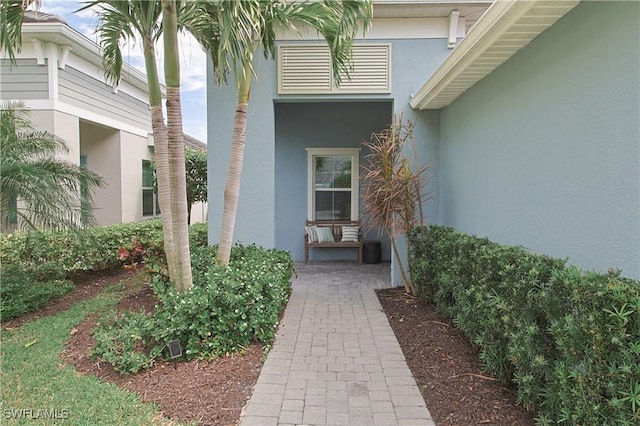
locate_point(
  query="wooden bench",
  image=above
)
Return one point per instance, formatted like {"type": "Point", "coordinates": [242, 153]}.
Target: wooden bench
{"type": "Point", "coordinates": [336, 230]}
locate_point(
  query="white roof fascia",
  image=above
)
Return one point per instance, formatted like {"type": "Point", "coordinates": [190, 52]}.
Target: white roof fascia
{"type": "Point", "coordinates": [64, 35]}
{"type": "Point", "coordinates": [448, 81]}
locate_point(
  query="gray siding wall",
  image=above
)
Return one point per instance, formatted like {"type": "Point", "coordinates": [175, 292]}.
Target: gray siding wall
{"type": "Point", "coordinates": [25, 80]}
{"type": "Point", "coordinates": [79, 89]}
{"type": "Point", "coordinates": [545, 151]}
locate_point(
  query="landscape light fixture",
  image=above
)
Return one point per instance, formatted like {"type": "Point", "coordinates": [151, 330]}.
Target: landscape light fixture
{"type": "Point", "coordinates": [175, 350]}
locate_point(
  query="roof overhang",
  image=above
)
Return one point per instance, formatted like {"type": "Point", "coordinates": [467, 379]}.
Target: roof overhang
{"type": "Point", "coordinates": [471, 9]}
{"type": "Point", "coordinates": [506, 27]}
{"type": "Point", "coordinates": [63, 35]}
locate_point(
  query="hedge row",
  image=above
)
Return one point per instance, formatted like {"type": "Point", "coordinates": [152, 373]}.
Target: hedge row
{"type": "Point", "coordinates": [35, 266]}
{"type": "Point", "coordinates": [569, 340]}
{"type": "Point", "coordinates": [94, 249]}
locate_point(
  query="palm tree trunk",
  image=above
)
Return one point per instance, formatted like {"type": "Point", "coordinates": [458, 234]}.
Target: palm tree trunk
{"type": "Point", "coordinates": [179, 215]}
{"type": "Point", "coordinates": [232, 187]}
{"type": "Point", "coordinates": [161, 155]}
{"type": "Point", "coordinates": [175, 135]}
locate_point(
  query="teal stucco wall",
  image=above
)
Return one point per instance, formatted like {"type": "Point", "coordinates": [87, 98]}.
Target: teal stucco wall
{"type": "Point", "coordinates": [256, 209]}
{"type": "Point", "coordinates": [545, 151]}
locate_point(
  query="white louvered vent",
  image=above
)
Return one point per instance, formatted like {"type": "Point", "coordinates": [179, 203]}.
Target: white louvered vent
{"type": "Point", "coordinates": [370, 72]}
{"type": "Point", "coordinates": [306, 69]}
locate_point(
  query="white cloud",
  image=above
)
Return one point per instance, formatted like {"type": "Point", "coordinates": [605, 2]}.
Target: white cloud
{"type": "Point", "coordinates": [60, 7]}
{"type": "Point", "coordinates": [192, 63]}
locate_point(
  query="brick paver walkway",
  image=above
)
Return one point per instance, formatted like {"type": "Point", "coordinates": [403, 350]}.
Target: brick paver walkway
{"type": "Point", "coordinates": [336, 360]}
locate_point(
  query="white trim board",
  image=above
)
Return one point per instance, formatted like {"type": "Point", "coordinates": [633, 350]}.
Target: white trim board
{"type": "Point", "coordinates": [52, 105]}
{"type": "Point", "coordinates": [387, 28]}
{"type": "Point", "coordinates": [506, 27]}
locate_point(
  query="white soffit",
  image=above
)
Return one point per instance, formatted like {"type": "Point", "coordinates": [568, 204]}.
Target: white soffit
{"type": "Point", "coordinates": [63, 35]}
{"type": "Point", "coordinates": [506, 27]}
{"type": "Point", "coordinates": [398, 19]}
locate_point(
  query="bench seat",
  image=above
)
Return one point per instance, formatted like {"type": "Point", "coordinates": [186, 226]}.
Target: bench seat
{"type": "Point", "coordinates": [336, 230]}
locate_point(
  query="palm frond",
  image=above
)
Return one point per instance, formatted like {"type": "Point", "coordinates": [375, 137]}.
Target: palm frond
{"type": "Point", "coordinates": [198, 19]}
{"type": "Point", "coordinates": [246, 25]}
{"type": "Point", "coordinates": [240, 25]}
{"type": "Point", "coordinates": [119, 23]}
{"type": "Point", "coordinates": [11, 18]}
{"type": "Point", "coordinates": [51, 193]}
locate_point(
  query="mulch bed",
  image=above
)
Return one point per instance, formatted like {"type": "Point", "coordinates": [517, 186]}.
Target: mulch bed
{"type": "Point", "coordinates": [447, 367]}
{"type": "Point", "coordinates": [203, 392]}
{"type": "Point", "coordinates": [444, 364]}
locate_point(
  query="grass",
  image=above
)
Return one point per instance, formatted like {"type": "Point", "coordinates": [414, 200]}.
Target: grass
{"type": "Point", "coordinates": [32, 376]}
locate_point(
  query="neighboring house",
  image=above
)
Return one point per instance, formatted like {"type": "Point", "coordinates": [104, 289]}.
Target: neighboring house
{"type": "Point", "coordinates": [530, 126]}
{"type": "Point", "coordinates": [59, 75]}
{"type": "Point", "coordinates": [198, 210]}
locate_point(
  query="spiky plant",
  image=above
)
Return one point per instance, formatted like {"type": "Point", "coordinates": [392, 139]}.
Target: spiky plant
{"type": "Point", "coordinates": [393, 188]}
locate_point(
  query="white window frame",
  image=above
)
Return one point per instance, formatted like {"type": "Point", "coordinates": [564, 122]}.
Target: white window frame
{"type": "Point", "coordinates": [156, 211]}
{"type": "Point", "coordinates": [354, 153]}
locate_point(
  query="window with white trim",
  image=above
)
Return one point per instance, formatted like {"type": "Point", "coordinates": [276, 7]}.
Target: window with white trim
{"type": "Point", "coordinates": [84, 195]}
{"type": "Point", "coordinates": [149, 195]}
{"type": "Point", "coordinates": [332, 183]}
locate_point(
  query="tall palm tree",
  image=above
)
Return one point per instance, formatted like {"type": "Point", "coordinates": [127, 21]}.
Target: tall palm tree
{"type": "Point", "coordinates": [122, 22]}
{"type": "Point", "coordinates": [36, 189]}
{"type": "Point", "coordinates": [245, 26]}
{"type": "Point", "coordinates": [177, 171]}
{"type": "Point", "coordinates": [125, 21]}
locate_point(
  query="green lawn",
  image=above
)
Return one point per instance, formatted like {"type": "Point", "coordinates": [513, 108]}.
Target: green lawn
{"type": "Point", "coordinates": [34, 382]}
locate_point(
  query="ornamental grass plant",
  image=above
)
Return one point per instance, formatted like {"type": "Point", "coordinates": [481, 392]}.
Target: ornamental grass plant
{"type": "Point", "coordinates": [393, 188]}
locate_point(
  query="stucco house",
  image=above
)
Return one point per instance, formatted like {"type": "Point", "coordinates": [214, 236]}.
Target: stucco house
{"type": "Point", "coordinates": [60, 77]}
{"type": "Point", "coordinates": [528, 113]}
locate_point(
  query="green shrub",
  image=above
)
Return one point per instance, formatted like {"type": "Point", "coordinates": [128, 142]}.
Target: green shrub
{"type": "Point", "coordinates": [198, 235]}
{"type": "Point", "coordinates": [569, 340]}
{"type": "Point", "coordinates": [95, 249]}
{"type": "Point", "coordinates": [36, 265]}
{"type": "Point", "coordinates": [224, 311]}
{"type": "Point", "coordinates": [22, 293]}
{"type": "Point", "coordinates": [124, 340]}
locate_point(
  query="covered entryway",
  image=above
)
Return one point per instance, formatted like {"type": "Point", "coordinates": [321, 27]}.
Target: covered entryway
{"type": "Point", "coordinates": [335, 131]}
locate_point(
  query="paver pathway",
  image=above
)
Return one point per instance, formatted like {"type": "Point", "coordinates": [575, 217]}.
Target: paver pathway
{"type": "Point", "coordinates": [336, 360]}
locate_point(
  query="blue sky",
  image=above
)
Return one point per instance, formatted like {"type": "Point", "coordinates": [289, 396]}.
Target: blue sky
{"type": "Point", "coordinates": [193, 63]}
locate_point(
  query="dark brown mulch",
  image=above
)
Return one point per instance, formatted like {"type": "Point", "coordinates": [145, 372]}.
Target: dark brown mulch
{"type": "Point", "coordinates": [202, 392]}
{"type": "Point", "coordinates": [447, 367]}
